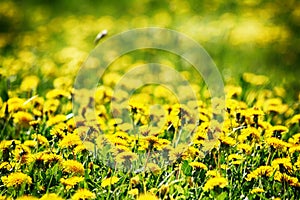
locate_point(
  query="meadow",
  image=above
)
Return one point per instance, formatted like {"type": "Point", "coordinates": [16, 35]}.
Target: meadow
{"type": "Point", "coordinates": [248, 150]}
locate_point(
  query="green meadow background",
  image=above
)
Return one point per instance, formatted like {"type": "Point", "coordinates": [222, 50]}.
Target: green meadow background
{"type": "Point", "coordinates": [255, 36]}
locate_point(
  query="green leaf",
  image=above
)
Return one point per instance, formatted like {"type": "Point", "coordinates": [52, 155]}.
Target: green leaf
{"type": "Point", "coordinates": [222, 196]}
{"type": "Point", "coordinates": [186, 168]}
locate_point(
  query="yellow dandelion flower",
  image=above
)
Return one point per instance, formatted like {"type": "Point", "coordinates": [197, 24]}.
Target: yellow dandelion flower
{"type": "Point", "coordinates": [57, 93]}
{"type": "Point", "coordinates": [283, 177]}
{"type": "Point", "coordinates": [294, 120]}
{"type": "Point", "coordinates": [154, 168]}
{"type": "Point", "coordinates": [51, 196]}
{"type": "Point", "coordinates": [295, 139]}
{"type": "Point", "coordinates": [164, 189]}
{"type": "Point", "coordinates": [244, 147]}
{"type": "Point", "coordinates": [78, 149]}
{"type": "Point", "coordinates": [6, 144]}
{"type": "Point", "coordinates": [15, 104]}
{"type": "Point", "coordinates": [123, 135]}
{"type": "Point", "coordinates": [235, 159]}
{"type": "Point", "coordinates": [277, 143]}
{"type": "Point", "coordinates": [30, 143]}
{"type": "Point", "coordinates": [16, 179]}
{"type": "Point", "coordinates": [117, 149]}
{"type": "Point", "coordinates": [260, 171]}
{"type": "Point", "coordinates": [41, 139]}
{"type": "Point", "coordinates": [257, 190]}
{"type": "Point", "coordinates": [227, 140]}
{"type": "Point", "coordinates": [194, 152]}
{"type": "Point", "coordinates": [285, 162]}
{"type": "Point", "coordinates": [213, 173]}
{"type": "Point", "coordinates": [152, 141]}
{"type": "Point", "coordinates": [23, 118]}
{"type": "Point", "coordinates": [249, 133]}
{"type": "Point", "coordinates": [116, 140]}
{"type": "Point", "coordinates": [133, 192]}
{"type": "Point", "coordinates": [232, 90]}
{"type": "Point", "coordinates": [21, 153]}
{"type": "Point", "coordinates": [276, 131]}
{"type": "Point", "coordinates": [56, 119]}
{"type": "Point", "coordinates": [62, 82]}
{"type": "Point", "coordinates": [71, 182]}
{"type": "Point", "coordinates": [135, 180]}
{"type": "Point", "coordinates": [2, 197]}
{"type": "Point", "coordinates": [59, 130]}
{"type": "Point", "coordinates": [295, 148]}
{"type": "Point", "coordinates": [73, 166]}
{"type": "Point", "coordinates": [162, 143]}
{"type": "Point", "coordinates": [178, 152]}
{"type": "Point", "coordinates": [50, 106]}
{"type": "Point", "coordinates": [147, 196]}
{"type": "Point", "coordinates": [51, 158]}
{"type": "Point", "coordinates": [69, 141]}
{"type": "Point", "coordinates": [198, 165]}
{"type": "Point", "coordinates": [215, 182]}
{"type": "Point", "coordinates": [200, 136]}
{"type": "Point", "coordinates": [126, 156]}
{"type": "Point", "coordinates": [109, 181]}
{"type": "Point", "coordinates": [5, 165]}
{"type": "Point", "coordinates": [3, 110]}
{"type": "Point", "coordinates": [27, 197]}
{"type": "Point", "coordinates": [274, 105]}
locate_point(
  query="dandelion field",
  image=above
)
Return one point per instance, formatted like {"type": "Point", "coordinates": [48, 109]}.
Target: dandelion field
{"type": "Point", "coordinates": [48, 152]}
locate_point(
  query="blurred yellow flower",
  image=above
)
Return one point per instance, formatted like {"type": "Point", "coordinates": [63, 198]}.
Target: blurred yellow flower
{"type": "Point", "coordinates": [109, 181]}
{"type": "Point", "coordinates": [255, 79]}
{"type": "Point", "coordinates": [29, 83]}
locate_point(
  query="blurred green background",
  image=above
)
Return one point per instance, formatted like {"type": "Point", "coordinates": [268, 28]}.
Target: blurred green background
{"type": "Point", "coordinates": [259, 36]}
